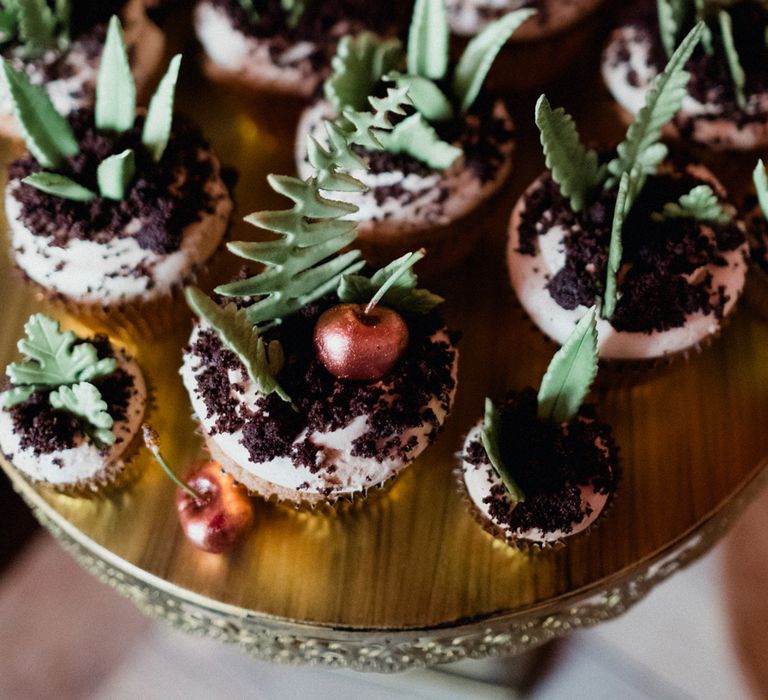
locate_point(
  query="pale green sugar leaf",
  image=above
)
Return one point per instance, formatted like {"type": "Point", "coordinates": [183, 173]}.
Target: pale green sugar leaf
{"type": "Point", "coordinates": [250, 9]}
{"type": "Point", "coordinates": [115, 88]}
{"type": "Point", "coordinates": [47, 134]}
{"type": "Point", "coordinates": [63, 11]}
{"type": "Point", "coordinates": [16, 395]}
{"type": "Point", "coordinates": [624, 201]}
{"type": "Point", "coordinates": [701, 203]}
{"type": "Point", "coordinates": [115, 174]}
{"type": "Point", "coordinates": [671, 14]}
{"type": "Point", "coordinates": [428, 38]}
{"type": "Point", "coordinates": [640, 146]}
{"type": "Point", "coordinates": [490, 437]}
{"type": "Point", "coordinates": [427, 98]}
{"type": "Point", "coordinates": [330, 159]}
{"type": "Point", "coordinates": [571, 372]}
{"type": "Point", "coordinates": [239, 335]}
{"type": "Point", "coordinates": [85, 401]}
{"type": "Point", "coordinates": [365, 128]}
{"type": "Point", "coordinates": [477, 59]}
{"type": "Point", "coordinates": [36, 25]}
{"type": "Point", "coordinates": [707, 40]}
{"type": "Point", "coordinates": [59, 186]}
{"type": "Point", "coordinates": [8, 24]}
{"type": "Point", "coordinates": [419, 140]}
{"type": "Point", "coordinates": [760, 178]}
{"type": "Point", "coordinates": [361, 61]}
{"type": "Point", "coordinates": [573, 167]}
{"type": "Point", "coordinates": [294, 9]}
{"type": "Point", "coordinates": [157, 125]}
{"type": "Point", "coordinates": [401, 293]}
{"type": "Point", "coordinates": [732, 57]}
{"type": "Point", "coordinates": [53, 359]}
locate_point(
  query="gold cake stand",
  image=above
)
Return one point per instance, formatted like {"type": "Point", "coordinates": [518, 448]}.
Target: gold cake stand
{"type": "Point", "coordinates": [409, 578]}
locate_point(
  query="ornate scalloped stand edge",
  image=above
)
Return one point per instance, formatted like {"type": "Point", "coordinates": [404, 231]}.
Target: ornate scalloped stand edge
{"type": "Point", "coordinates": [390, 651]}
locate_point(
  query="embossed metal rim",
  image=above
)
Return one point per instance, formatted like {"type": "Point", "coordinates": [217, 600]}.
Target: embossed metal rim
{"type": "Point", "coordinates": [285, 640]}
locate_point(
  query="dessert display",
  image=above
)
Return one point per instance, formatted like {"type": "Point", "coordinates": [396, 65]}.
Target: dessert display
{"type": "Point", "coordinates": [317, 379]}
{"type": "Point", "coordinates": [540, 468]}
{"type": "Point", "coordinates": [58, 46]}
{"type": "Point", "coordinates": [545, 46]}
{"type": "Point", "coordinates": [72, 409]}
{"type": "Point", "coordinates": [650, 238]}
{"type": "Point", "coordinates": [726, 108]}
{"type": "Point", "coordinates": [450, 150]}
{"type": "Point", "coordinates": [279, 46]}
{"type": "Point", "coordinates": [112, 212]}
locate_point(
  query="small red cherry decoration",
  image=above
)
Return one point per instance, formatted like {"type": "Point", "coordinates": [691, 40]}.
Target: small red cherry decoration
{"type": "Point", "coordinates": [218, 514]}
{"type": "Point", "coordinates": [362, 343]}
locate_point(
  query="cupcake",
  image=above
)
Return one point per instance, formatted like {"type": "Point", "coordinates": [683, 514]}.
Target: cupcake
{"type": "Point", "coordinates": [317, 380]}
{"type": "Point", "coordinates": [651, 239]}
{"type": "Point", "coordinates": [540, 468]}
{"type": "Point", "coordinates": [60, 48]}
{"type": "Point", "coordinates": [279, 46]}
{"type": "Point", "coordinates": [71, 410]}
{"type": "Point", "coordinates": [449, 152]}
{"type": "Point", "coordinates": [726, 108]}
{"type": "Point", "coordinates": [544, 46]}
{"type": "Point", "coordinates": [112, 213]}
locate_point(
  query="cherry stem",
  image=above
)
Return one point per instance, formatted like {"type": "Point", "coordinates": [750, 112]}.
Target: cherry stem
{"type": "Point", "coordinates": [150, 440]}
{"type": "Point", "coordinates": [407, 264]}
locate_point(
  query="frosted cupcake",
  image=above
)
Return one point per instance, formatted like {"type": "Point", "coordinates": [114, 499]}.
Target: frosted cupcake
{"type": "Point", "coordinates": [543, 47]}
{"type": "Point", "coordinates": [655, 243]}
{"type": "Point", "coordinates": [541, 468]}
{"type": "Point", "coordinates": [71, 409]}
{"type": "Point", "coordinates": [727, 105]}
{"type": "Point", "coordinates": [60, 48]}
{"type": "Point", "coordinates": [112, 213]}
{"type": "Point", "coordinates": [319, 382]}
{"type": "Point", "coordinates": [279, 46]}
{"type": "Point", "coordinates": [449, 152]}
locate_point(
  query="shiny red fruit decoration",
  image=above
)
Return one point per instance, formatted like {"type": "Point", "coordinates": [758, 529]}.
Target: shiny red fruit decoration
{"type": "Point", "coordinates": [217, 520]}
{"type": "Point", "coordinates": [360, 343]}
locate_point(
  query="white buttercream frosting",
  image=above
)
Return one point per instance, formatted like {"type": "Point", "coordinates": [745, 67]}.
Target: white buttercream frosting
{"type": "Point", "coordinates": [530, 274]}
{"type": "Point", "coordinates": [85, 461]}
{"type": "Point", "coordinates": [482, 478]}
{"type": "Point", "coordinates": [431, 199]}
{"type": "Point", "coordinates": [118, 270]}
{"type": "Point", "coordinates": [629, 80]}
{"type": "Point", "coordinates": [349, 474]}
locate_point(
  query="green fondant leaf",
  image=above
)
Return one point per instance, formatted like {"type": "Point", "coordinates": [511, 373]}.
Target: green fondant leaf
{"type": "Point", "coordinates": [115, 87]}
{"type": "Point", "coordinates": [59, 186]}
{"type": "Point", "coordinates": [481, 52]}
{"type": "Point", "coordinates": [262, 362]}
{"type": "Point", "coordinates": [427, 98]}
{"type": "Point", "coordinates": [115, 173]}
{"type": "Point", "coordinates": [641, 148]}
{"type": "Point", "coordinates": [732, 57]}
{"type": "Point", "coordinates": [402, 293]}
{"type": "Point", "coordinates": [428, 40]}
{"type": "Point", "coordinates": [52, 359]}
{"type": "Point", "coordinates": [490, 439]}
{"type": "Point", "coordinates": [36, 24]}
{"type": "Point", "coordinates": [16, 395]}
{"type": "Point", "coordinates": [294, 9]}
{"type": "Point", "coordinates": [760, 178]}
{"type": "Point", "coordinates": [361, 61]}
{"type": "Point", "coordinates": [624, 201]}
{"type": "Point", "coordinates": [84, 401]}
{"type": "Point", "coordinates": [671, 14]}
{"type": "Point", "coordinates": [157, 126]}
{"type": "Point", "coordinates": [364, 128]}
{"type": "Point", "coordinates": [47, 134]}
{"type": "Point", "coordinates": [570, 373]}
{"type": "Point", "coordinates": [573, 167]}
{"type": "Point", "coordinates": [701, 203]}
{"type": "Point", "coordinates": [418, 139]}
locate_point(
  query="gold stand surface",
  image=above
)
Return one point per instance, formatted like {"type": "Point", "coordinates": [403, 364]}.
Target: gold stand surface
{"type": "Point", "coordinates": [409, 578]}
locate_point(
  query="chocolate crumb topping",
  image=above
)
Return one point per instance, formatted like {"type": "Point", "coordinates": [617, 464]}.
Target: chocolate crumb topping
{"type": "Point", "coordinates": [167, 196]}
{"type": "Point", "coordinates": [550, 463]}
{"type": "Point", "coordinates": [271, 428]}
{"type": "Point", "coordinates": [657, 290]}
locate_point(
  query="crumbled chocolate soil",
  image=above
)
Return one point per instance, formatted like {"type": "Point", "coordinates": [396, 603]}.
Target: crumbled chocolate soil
{"type": "Point", "coordinates": [654, 295]}
{"type": "Point", "coordinates": [324, 402]}
{"type": "Point", "coordinates": [550, 462]}
{"type": "Point", "coordinates": [711, 80]}
{"type": "Point", "coordinates": [164, 205]}
{"type": "Point", "coordinates": [44, 429]}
